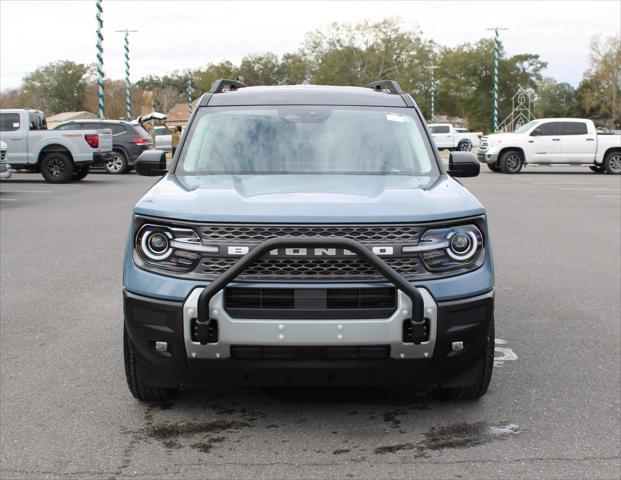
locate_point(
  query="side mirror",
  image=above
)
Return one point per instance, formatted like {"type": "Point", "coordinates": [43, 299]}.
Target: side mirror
{"type": "Point", "coordinates": [463, 164]}
{"type": "Point", "coordinates": [151, 163]}
{"type": "Point", "coordinates": [536, 132]}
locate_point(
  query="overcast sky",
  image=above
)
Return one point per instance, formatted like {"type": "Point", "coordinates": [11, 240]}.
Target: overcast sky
{"type": "Point", "coordinates": [176, 35]}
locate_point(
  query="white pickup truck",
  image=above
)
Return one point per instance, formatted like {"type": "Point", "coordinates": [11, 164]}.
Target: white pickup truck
{"type": "Point", "coordinates": [447, 136]}
{"type": "Point", "coordinates": [552, 141]}
{"type": "Point", "coordinates": [60, 156]}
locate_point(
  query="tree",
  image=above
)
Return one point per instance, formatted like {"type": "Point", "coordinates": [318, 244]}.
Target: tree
{"type": "Point", "coordinates": [58, 87]}
{"type": "Point", "coordinates": [555, 99]}
{"type": "Point", "coordinates": [599, 93]}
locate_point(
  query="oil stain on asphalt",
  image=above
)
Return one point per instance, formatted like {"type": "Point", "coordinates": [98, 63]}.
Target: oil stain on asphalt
{"type": "Point", "coordinates": [461, 435]}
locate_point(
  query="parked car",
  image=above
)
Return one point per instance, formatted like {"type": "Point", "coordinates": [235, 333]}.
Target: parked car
{"type": "Point", "coordinates": [162, 138]}
{"type": "Point", "coordinates": [449, 137]}
{"type": "Point", "coordinates": [60, 156]}
{"type": "Point", "coordinates": [308, 235]}
{"type": "Point", "coordinates": [552, 141]}
{"type": "Point", "coordinates": [128, 141]}
{"type": "Point", "coordinates": [5, 168]}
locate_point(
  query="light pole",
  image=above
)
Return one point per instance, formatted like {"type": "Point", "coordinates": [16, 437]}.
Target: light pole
{"type": "Point", "coordinates": [432, 72]}
{"type": "Point", "coordinates": [495, 75]}
{"type": "Point", "coordinates": [128, 85]}
{"type": "Point", "coordinates": [100, 72]}
{"type": "Point", "coordinates": [190, 92]}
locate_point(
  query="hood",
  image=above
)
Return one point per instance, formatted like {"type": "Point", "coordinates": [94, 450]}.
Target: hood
{"type": "Point", "coordinates": [503, 136]}
{"type": "Point", "coordinates": [308, 198]}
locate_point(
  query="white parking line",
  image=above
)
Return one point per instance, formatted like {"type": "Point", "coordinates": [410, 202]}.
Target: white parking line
{"type": "Point", "coordinates": [596, 189]}
{"type": "Point", "coordinates": [8, 199]}
{"type": "Point", "coordinates": [608, 196]}
{"type": "Point", "coordinates": [26, 191]}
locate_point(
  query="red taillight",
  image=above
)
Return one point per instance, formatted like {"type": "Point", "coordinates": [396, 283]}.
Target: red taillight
{"type": "Point", "coordinates": [140, 141]}
{"type": "Point", "coordinates": [92, 139]}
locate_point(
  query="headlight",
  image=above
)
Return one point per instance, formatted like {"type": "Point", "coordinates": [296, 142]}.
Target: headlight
{"type": "Point", "coordinates": [170, 248]}
{"type": "Point", "coordinates": [450, 248]}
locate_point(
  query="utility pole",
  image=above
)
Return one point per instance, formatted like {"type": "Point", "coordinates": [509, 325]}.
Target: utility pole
{"type": "Point", "coordinates": [432, 72]}
{"type": "Point", "coordinates": [128, 85]}
{"type": "Point", "coordinates": [190, 99]}
{"type": "Point", "coordinates": [100, 72]}
{"type": "Point", "coordinates": [495, 75]}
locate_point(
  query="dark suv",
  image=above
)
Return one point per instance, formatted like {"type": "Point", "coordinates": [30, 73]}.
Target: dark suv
{"type": "Point", "coordinates": [129, 141]}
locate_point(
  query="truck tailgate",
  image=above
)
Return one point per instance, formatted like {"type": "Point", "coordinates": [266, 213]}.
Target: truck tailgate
{"type": "Point", "coordinates": [105, 140]}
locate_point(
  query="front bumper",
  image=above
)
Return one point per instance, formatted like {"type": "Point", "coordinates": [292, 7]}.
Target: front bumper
{"type": "Point", "coordinates": [5, 170]}
{"type": "Point", "coordinates": [150, 320]}
{"type": "Point", "coordinates": [101, 158]}
{"type": "Point", "coordinates": [487, 157]}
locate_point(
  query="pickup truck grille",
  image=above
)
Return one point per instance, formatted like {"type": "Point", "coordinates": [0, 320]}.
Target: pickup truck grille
{"type": "Point", "coordinates": [324, 268]}
{"type": "Point", "coordinates": [483, 146]}
{"type": "Point", "coordinates": [2, 156]}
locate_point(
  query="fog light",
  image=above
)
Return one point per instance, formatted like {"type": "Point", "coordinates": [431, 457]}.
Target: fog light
{"type": "Point", "coordinates": [161, 346]}
{"type": "Point", "coordinates": [457, 346]}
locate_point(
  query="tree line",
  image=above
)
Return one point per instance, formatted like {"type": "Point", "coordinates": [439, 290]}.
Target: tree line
{"type": "Point", "coordinates": [357, 54]}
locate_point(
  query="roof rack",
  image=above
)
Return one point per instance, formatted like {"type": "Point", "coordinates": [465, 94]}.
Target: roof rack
{"type": "Point", "coordinates": [388, 86]}
{"type": "Point", "coordinates": [224, 85]}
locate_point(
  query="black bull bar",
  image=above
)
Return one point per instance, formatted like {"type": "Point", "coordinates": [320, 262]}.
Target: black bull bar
{"type": "Point", "coordinates": [309, 242]}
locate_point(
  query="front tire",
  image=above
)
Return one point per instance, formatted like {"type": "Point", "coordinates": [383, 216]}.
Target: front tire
{"type": "Point", "coordinates": [57, 167]}
{"type": "Point", "coordinates": [80, 172]}
{"type": "Point", "coordinates": [612, 163]}
{"type": "Point", "coordinates": [464, 146]}
{"type": "Point", "coordinates": [118, 164]}
{"type": "Point", "coordinates": [484, 374]}
{"type": "Point", "coordinates": [493, 167]}
{"type": "Point", "coordinates": [511, 162]}
{"type": "Point", "coordinates": [136, 386]}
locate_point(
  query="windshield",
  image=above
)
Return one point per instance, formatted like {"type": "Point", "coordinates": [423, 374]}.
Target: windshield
{"type": "Point", "coordinates": [526, 127]}
{"type": "Point", "coordinates": [305, 140]}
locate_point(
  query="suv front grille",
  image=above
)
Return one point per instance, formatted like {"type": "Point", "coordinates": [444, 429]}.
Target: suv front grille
{"type": "Point", "coordinates": [259, 233]}
{"type": "Point", "coordinates": [311, 268]}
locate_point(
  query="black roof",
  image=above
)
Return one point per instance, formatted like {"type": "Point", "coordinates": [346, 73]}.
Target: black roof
{"type": "Point", "coordinates": [306, 95]}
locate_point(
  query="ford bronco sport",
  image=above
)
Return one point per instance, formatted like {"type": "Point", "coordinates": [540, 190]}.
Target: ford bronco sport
{"type": "Point", "coordinates": [308, 235]}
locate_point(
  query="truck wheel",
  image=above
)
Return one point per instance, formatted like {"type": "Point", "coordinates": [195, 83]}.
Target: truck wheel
{"type": "Point", "coordinates": [510, 162]}
{"type": "Point", "coordinates": [484, 374]}
{"type": "Point", "coordinates": [464, 146]}
{"type": "Point", "coordinates": [612, 163]}
{"type": "Point", "coordinates": [138, 389]}
{"type": "Point", "coordinates": [118, 164]}
{"type": "Point", "coordinates": [80, 172]}
{"type": "Point", "coordinates": [493, 167]}
{"type": "Point", "coordinates": [57, 167]}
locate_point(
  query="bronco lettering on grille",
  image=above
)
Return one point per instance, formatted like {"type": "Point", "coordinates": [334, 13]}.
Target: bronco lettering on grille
{"type": "Point", "coordinates": [311, 252]}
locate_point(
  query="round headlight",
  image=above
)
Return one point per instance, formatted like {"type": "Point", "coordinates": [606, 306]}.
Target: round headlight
{"type": "Point", "coordinates": [156, 245]}
{"type": "Point", "coordinates": [462, 246]}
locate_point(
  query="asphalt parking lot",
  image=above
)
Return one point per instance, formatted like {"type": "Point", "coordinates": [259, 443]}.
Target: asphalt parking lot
{"type": "Point", "coordinates": [552, 411]}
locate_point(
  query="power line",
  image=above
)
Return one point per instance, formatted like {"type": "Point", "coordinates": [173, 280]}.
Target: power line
{"type": "Point", "coordinates": [495, 75]}
{"type": "Point", "coordinates": [128, 85]}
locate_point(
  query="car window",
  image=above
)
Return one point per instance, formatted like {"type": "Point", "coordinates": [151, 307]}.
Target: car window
{"type": "Point", "coordinates": [574, 128]}
{"type": "Point", "coordinates": [66, 126]}
{"type": "Point", "coordinates": [116, 128]}
{"type": "Point", "coordinates": [549, 128]}
{"type": "Point", "coordinates": [9, 122]}
{"type": "Point", "coordinates": [141, 131]}
{"type": "Point", "coordinates": [306, 139]}
{"type": "Point", "coordinates": [440, 129]}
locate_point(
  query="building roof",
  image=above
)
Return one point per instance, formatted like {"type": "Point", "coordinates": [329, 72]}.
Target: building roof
{"type": "Point", "coordinates": [306, 95]}
{"type": "Point", "coordinates": [59, 118]}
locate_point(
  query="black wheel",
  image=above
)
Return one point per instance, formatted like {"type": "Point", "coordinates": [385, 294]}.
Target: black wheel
{"type": "Point", "coordinates": [596, 169]}
{"type": "Point", "coordinates": [464, 146]}
{"type": "Point", "coordinates": [132, 373]}
{"type": "Point", "coordinates": [612, 163]}
{"type": "Point", "coordinates": [484, 373]}
{"type": "Point", "coordinates": [493, 167]}
{"type": "Point", "coordinates": [510, 162]}
{"type": "Point", "coordinates": [57, 167]}
{"type": "Point", "coordinates": [118, 164]}
{"type": "Point", "coordinates": [80, 172]}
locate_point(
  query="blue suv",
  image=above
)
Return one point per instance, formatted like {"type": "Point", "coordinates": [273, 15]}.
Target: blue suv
{"type": "Point", "coordinates": [308, 235]}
